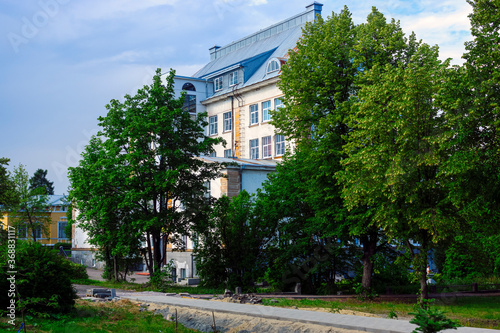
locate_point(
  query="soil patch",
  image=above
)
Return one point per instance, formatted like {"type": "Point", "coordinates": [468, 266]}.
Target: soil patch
{"type": "Point", "coordinates": [227, 322]}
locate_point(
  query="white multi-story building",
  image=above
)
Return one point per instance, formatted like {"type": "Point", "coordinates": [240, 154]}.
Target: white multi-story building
{"type": "Point", "coordinates": [237, 89]}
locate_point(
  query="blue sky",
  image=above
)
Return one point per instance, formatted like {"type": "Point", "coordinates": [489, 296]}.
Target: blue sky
{"type": "Point", "coordinates": [62, 61]}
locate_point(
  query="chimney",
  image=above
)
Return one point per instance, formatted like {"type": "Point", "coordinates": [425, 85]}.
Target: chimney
{"type": "Point", "coordinates": [316, 7]}
{"type": "Point", "coordinates": [213, 52]}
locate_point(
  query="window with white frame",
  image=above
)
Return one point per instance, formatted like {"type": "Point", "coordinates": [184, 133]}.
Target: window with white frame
{"type": "Point", "coordinates": [227, 121]}
{"type": "Point", "coordinates": [266, 107]}
{"type": "Point", "coordinates": [266, 147]}
{"type": "Point", "coordinates": [38, 231]}
{"type": "Point", "coordinates": [273, 66]}
{"type": "Point", "coordinates": [280, 145]}
{"type": "Point", "coordinates": [254, 149]}
{"type": "Point", "coordinates": [218, 83]}
{"type": "Point", "coordinates": [254, 114]}
{"type": "Point", "coordinates": [228, 153]}
{"type": "Point", "coordinates": [233, 78]}
{"type": "Point", "coordinates": [212, 129]}
{"type": "Point", "coordinates": [278, 103]}
{"type": "Point", "coordinates": [22, 231]}
{"type": "Point", "coordinates": [61, 226]}
{"type": "Point", "coordinates": [213, 154]}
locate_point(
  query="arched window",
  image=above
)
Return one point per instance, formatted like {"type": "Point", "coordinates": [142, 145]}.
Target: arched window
{"type": "Point", "coordinates": [188, 86]}
{"type": "Point", "coordinates": [273, 66]}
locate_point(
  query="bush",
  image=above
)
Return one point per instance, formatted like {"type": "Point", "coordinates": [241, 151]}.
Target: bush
{"type": "Point", "coordinates": [42, 279]}
{"type": "Point", "coordinates": [66, 246]}
{"type": "Point", "coordinates": [431, 320]}
{"type": "Point", "coordinates": [78, 271]}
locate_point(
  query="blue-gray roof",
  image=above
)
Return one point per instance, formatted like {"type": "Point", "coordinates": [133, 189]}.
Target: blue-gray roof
{"type": "Point", "coordinates": [252, 53]}
{"type": "Point", "coordinates": [58, 200]}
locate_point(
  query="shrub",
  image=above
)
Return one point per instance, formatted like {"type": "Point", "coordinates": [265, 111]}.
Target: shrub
{"type": "Point", "coordinates": [66, 246]}
{"type": "Point", "coordinates": [431, 320]}
{"type": "Point", "coordinates": [42, 279]}
{"type": "Point", "coordinates": [78, 271]}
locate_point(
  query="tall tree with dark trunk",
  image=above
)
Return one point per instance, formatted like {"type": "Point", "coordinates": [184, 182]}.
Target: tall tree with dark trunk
{"type": "Point", "coordinates": [394, 154]}
{"type": "Point", "coordinates": [319, 82]}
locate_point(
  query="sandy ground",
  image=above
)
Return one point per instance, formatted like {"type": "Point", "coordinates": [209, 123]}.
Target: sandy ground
{"type": "Point", "coordinates": [232, 323]}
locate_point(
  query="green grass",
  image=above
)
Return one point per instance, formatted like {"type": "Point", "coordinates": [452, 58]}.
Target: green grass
{"type": "Point", "coordinates": [122, 316]}
{"type": "Point", "coordinates": [145, 287]}
{"type": "Point", "coordinates": [481, 312]}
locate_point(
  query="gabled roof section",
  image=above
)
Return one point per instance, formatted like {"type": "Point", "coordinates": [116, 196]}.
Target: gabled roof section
{"type": "Point", "coordinates": [58, 200]}
{"type": "Point", "coordinates": [254, 51]}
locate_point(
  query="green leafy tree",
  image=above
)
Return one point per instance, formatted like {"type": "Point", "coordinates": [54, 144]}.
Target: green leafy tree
{"type": "Point", "coordinates": [394, 154]}
{"type": "Point", "coordinates": [31, 212]}
{"type": "Point", "coordinates": [471, 102]}
{"type": "Point", "coordinates": [232, 249]}
{"type": "Point", "coordinates": [149, 152]}
{"type": "Point", "coordinates": [39, 179]}
{"type": "Point", "coordinates": [7, 188]}
{"type": "Point", "coordinates": [319, 83]}
{"type": "Point", "coordinates": [311, 247]}
{"type": "Point", "coordinates": [100, 210]}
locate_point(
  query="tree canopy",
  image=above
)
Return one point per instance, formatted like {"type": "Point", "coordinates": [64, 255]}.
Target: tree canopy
{"type": "Point", "coordinates": [39, 179]}
{"type": "Point", "coordinates": [146, 158]}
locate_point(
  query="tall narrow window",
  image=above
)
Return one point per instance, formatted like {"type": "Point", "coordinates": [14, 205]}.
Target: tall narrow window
{"type": "Point", "coordinates": [278, 103]}
{"type": "Point", "coordinates": [254, 149]}
{"type": "Point", "coordinates": [266, 147]}
{"type": "Point", "coordinates": [218, 84]}
{"type": "Point", "coordinates": [190, 104]}
{"type": "Point", "coordinates": [233, 78]}
{"type": "Point", "coordinates": [280, 145]}
{"type": "Point", "coordinates": [61, 226]}
{"type": "Point", "coordinates": [38, 231]}
{"type": "Point", "coordinates": [227, 121]}
{"type": "Point", "coordinates": [266, 107]}
{"type": "Point", "coordinates": [212, 130]}
{"type": "Point", "coordinates": [254, 114]}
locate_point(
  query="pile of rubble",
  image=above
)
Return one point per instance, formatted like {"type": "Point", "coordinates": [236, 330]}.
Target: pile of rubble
{"type": "Point", "coordinates": [238, 297]}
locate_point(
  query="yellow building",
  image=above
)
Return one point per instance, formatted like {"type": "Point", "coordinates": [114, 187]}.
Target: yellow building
{"type": "Point", "coordinates": [58, 209]}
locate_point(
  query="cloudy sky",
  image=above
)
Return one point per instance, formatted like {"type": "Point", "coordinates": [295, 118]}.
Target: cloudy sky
{"type": "Point", "coordinates": [62, 61]}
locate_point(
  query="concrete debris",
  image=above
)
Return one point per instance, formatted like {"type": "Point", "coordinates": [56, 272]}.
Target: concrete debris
{"type": "Point", "coordinates": [102, 294]}
{"type": "Point", "coordinates": [242, 299]}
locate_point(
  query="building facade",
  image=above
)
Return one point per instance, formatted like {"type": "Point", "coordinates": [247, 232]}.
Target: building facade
{"type": "Point", "coordinates": [57, 209]}
{"type": "Point", "coordinates": [237, 89]}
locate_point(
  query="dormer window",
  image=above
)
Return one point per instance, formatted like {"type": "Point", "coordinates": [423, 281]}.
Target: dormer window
{"type": "Point", "coordinates": [218, 83]}
{"type": "Point", "coordinates": [233, 78]}
{"type": "Point", "coordinates": [273, 66]}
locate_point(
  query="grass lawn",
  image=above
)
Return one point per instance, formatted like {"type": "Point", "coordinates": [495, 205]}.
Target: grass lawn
{"type": "Point", "coordinates": [122, 316]}
{"type": "Point", "coordinates": [146, 287]}
{"type": "Point", "coordinates": [481, 312]}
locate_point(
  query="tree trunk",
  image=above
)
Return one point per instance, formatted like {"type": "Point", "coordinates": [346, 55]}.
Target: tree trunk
{"type": "Point", "coordinates": [149, 263]}
{"type": "Point", "coordinates": [422, 271]}
{"type": "Point", "coordinates": [115, 269]}
{"type": "Point", "coordinates": [369, 245]}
